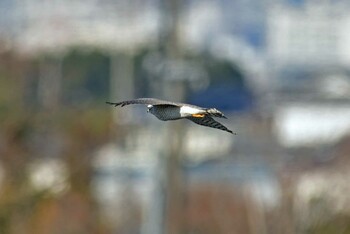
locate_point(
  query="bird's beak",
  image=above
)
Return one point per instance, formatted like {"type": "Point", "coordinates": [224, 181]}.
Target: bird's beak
{"type": "Point", "coordinates": [223, 116]}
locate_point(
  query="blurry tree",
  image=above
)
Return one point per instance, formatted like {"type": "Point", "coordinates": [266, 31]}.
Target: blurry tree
{"type": "Point", "coordinates": [28, 134]}
{"type": "Point", "coordinates": [86, 77]}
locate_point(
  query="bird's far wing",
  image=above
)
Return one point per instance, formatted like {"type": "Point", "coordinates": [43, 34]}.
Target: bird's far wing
{"type": "Point", "coordinates": [145, 101]}
{"type": "Point", "coordinates": [209, 122]}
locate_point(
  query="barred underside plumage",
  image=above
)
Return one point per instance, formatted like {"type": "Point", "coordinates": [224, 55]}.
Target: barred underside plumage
{"type": "Point", "coordinates": [166, 112]}
{"type": "Point", "coordinates": [209, 122]}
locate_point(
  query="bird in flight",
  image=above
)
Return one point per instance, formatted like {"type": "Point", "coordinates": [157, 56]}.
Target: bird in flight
{"type": "Point", "coordinates": [165, 110]}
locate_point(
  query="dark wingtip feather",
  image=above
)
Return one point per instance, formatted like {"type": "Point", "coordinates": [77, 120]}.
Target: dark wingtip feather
{"type": "Point", "coordinates": [113, 103]}
{"type": "Point", "coordinates": [228, 130]}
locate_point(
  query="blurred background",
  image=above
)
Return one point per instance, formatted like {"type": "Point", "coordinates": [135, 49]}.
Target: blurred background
{"type": "Point", "coordinates": [279, 69]}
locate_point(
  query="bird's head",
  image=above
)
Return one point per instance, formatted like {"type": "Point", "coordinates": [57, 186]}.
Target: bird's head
{"type": "Point", "coordinates": [149, 108]}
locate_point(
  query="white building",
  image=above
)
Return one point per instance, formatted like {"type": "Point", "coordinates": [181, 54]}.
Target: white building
{"type": "Point", "coordinates": [313, 33]}
{"type": "Point", "coordinates": [35, 25]}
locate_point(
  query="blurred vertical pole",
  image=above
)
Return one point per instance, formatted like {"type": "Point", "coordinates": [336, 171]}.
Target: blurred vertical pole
{"type": "Point", "coordinates": [122, 88]}
{"type": "Point", "coordinates": [50, 82]}
{"type": "Point", "coordinates": [121, 82]}
{"type": "Point", "coordinates": [174, 90]}
{"type": "Point", "coordinates": [165, 211]}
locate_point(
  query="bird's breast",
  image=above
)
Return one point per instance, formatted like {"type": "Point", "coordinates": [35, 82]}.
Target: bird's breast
{"type": "Point", "coordinates": [166, 113]}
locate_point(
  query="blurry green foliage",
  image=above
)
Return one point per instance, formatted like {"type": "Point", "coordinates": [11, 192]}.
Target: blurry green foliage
{"type": "Point", "coordinates": [83, 129]}
{"type": "Point", "coordinates": [85, 76]}
{"type": "Point", "coordinates": [338, 224]}
{"type": "Point", "coordinates": [224, 71]}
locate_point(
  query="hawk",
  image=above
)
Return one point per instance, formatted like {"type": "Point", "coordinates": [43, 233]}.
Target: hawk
{"type": "Point", "coordinates": [166, 110]}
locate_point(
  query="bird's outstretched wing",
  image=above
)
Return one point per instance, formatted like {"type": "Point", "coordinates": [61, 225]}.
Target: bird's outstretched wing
{"type": "Point", "coordinates": [145, 101]}
{"type": "Point", "coordinates": [209, 122]}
